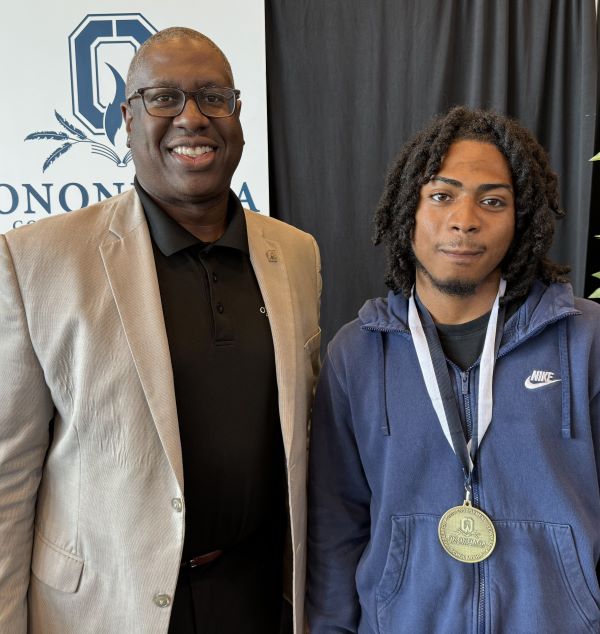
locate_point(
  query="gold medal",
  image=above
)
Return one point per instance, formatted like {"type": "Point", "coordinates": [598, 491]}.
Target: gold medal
{"type": "Point", "coordinates": [467, 534]}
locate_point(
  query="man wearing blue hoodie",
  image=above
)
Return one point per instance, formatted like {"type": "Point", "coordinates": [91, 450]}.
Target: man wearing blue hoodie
{"type": "Point", "coordinates": [455, 449]}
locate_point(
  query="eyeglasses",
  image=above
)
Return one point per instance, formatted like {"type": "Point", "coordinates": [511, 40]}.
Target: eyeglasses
{"type": "Point", "coordinates": [213, 102]}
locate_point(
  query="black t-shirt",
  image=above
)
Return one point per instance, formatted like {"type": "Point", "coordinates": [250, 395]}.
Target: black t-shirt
{"type": "Point", "coordinates": [463, 343]}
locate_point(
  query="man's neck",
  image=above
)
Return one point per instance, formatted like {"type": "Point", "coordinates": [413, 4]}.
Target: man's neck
{"type": "Point", "coordinates": [205, 220]}
{"type": "Point", "coordinates": [454, 309]}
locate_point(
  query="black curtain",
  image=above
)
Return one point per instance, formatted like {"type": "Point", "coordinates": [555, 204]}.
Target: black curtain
{"type": "Point", "coordinates": [349, 81]}
{"type": "Point", "coordinates": [593, 253]}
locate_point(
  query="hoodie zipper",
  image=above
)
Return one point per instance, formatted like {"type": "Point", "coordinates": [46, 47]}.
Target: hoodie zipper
{"type": "Point", "coordinates": [397, 330]}
{"type": "Point", "coordinates": [466, 394]}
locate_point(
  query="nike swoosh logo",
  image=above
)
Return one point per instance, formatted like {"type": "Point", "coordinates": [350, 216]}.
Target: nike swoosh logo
{"type": "Point", "coordinates": [530, 385]}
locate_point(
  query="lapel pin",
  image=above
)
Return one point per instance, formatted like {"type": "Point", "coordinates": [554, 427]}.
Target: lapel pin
{"type": "Point", "coordinates": [272, 256]}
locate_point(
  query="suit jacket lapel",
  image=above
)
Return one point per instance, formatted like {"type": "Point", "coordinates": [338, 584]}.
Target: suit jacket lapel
{"type": "Point", "coordinates": [129, 263]}
{"type": "Point", "coordinates": [270, 269]}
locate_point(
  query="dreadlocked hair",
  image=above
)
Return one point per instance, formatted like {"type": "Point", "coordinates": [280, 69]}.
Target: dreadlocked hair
{"type": "Point", "coordinates": [535, 189]}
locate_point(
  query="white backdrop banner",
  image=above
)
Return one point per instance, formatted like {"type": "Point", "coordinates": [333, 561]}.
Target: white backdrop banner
{"type": "Point", "coordinates": [63, 80]}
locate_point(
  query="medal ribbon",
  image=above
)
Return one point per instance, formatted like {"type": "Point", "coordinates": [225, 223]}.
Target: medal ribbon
{"type": "Point", "coordinates": [432, 362]}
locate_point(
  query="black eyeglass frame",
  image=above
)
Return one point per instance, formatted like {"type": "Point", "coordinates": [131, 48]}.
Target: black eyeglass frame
{"type": "Point", "coordinates": [188, 94]}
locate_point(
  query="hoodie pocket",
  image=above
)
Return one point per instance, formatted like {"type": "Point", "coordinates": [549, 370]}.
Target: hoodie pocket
{"type": "Point", "coordinates": [422, 589]}
{"type": "Point", "coordinates": [533, 582]}
{"type": "Point", "coordinates": [537, 583]}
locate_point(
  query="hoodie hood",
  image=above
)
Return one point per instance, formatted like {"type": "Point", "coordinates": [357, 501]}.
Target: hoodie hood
{"type": "Point", "coordinates": [544, 305]}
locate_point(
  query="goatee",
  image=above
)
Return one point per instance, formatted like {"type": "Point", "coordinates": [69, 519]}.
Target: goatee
{"type": "Point", "coordinates": [454, 287]}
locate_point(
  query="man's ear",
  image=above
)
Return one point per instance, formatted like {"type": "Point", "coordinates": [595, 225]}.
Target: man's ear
{"type": "Point", "coordinates": [127, 116]}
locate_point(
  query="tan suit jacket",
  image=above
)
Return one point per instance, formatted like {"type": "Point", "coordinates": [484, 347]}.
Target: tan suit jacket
{"type": "Point", "coordinates": [92, 513]}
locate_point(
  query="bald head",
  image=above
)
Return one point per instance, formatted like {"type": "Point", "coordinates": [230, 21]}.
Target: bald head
{"type": "Point", "coordinates": [172, 33]}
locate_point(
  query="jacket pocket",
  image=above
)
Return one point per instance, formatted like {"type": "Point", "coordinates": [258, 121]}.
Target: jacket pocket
{"type": "Point", "coordinates": [313, 343]}
{"type": "Point", "coordinates": [537, 583]}
{"type": "Point", "coordinates": [312, 347]}
{"type": "Point", "coordinates": [55, 567]}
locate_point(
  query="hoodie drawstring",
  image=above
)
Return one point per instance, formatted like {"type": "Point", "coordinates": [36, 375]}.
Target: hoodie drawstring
{"type": "Point", "coordinates": [563, 351]}
{"type": "Point", "coordinates": [385, 424]}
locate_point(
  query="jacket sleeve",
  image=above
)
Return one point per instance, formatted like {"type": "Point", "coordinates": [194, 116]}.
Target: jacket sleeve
{"type": "Point", "coordinates": [25, 413]}
{"type": "Point", "coordinates": [339, 511]}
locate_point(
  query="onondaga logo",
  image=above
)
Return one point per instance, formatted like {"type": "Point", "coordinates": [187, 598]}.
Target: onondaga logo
{"type": "Point", "coordinates": [100, 49]}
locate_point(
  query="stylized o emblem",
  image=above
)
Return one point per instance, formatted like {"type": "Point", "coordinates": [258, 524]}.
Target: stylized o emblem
{"type": "Point", "coordinates": [467, 525]}
{"type": "Point", "coordinates": [100, 50]}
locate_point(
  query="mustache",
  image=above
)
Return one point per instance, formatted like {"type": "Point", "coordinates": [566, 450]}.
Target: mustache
{"type": "Point", "coordinates": [460, 245]}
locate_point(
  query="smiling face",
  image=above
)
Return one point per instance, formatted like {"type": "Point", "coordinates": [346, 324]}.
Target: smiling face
{"type": "Point", "coordinates": [188, 159]}
{"type": "Point", "coordinates": [465, 222]}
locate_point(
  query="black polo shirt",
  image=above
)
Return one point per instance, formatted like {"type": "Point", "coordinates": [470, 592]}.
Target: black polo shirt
{"type": "Point", "coordinates": [225, 384]}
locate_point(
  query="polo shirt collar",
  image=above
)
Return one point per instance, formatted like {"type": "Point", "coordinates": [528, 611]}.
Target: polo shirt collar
{"type": "Point", "coordinates": [170, 237]}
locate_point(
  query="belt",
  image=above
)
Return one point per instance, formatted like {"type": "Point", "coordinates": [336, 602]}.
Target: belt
{"type": "Point", "coordinates": [202, 560]}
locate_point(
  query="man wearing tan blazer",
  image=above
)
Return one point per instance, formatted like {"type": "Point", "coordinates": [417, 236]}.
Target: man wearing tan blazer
{"type": "Point", "coordinates": [95, 512]}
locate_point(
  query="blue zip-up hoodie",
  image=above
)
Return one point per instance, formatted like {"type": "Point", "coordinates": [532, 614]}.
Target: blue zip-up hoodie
{"type": "Point", "coordinates": [382, 474]}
